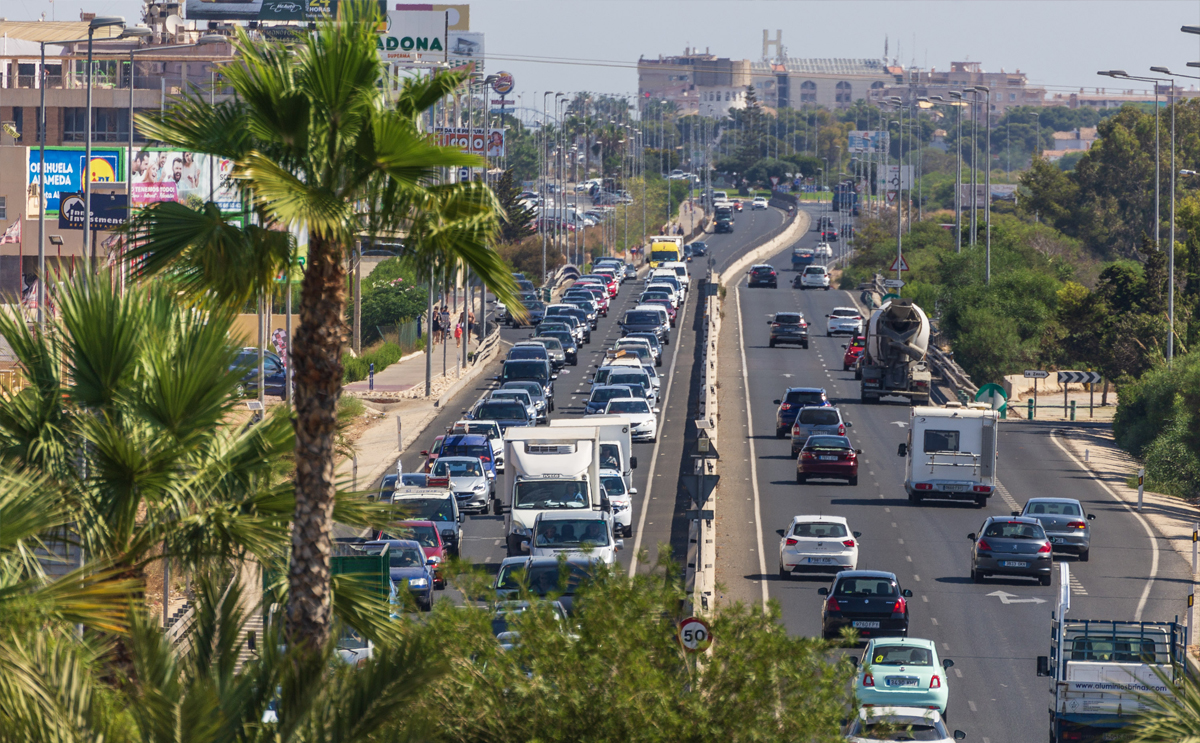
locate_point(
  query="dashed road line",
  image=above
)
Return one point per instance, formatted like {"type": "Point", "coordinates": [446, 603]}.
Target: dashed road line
{"type": "Point", "coordinates": [1008, 499]}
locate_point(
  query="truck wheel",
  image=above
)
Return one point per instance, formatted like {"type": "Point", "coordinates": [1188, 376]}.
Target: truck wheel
{"type": "Point", "coordinates": [497, 508]}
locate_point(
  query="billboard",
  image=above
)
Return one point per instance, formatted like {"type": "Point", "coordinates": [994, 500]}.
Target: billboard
{"type": "Point", "coordinates": [503, 84]}
{"type": "Point", "coordinates": [64, 173]}
{"type": "Point", "coordinates": [891, 178]}
{"type": "Point", "coordinates": [868, 141]}
{"type": "Point", "coordinates": [458, 17]}
{"type": "Point", "coordinates": [478, 141]}
{"type": "Point", "coordinates": [109, 210]}
{"type": "Point", "coordinates": [465, 47]}
{"type": "Point", "coordinates": [413, 36]}
{"type": "Point", "coordinates": [160, 174]}
{"type": "Point", "coordinates": [260, 10]}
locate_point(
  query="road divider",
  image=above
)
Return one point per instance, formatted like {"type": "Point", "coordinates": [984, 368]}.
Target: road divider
{"type": "Point", "coordinates": [790, 235]}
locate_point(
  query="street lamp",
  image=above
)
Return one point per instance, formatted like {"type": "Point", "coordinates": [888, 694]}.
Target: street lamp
{"type": "Point", "coordinates": [987, 180]}
{"type": "Point", "coordinates": [957, 95]}
{"type": "Point", "coordinates": [95, 23]}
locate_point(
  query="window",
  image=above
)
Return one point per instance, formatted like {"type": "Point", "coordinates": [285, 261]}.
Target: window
{"type": "Point", "coordinates": [1012, 96]}
{"type": "Point", "coordinates": [877, 85]}
{"type": "Point", "coordinates": [820, 530]}
{"type": "Point", "coordinates": [108, 124]}
{"type": "Point", "coordinates": [939, 441]}
{"type": "Point", "coordinates": [18, 117]}
{"type": "Point", "coordinates": [3, 207]}
{"type": "Point", "coordinates": [843, 92]}
{"type": "Point", "coordinates": [808, 92]}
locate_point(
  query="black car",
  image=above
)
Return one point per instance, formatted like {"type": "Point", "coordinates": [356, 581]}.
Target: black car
{"type": "Point", "coordinates": [274, 373]}
{"type": "Point", "coordinates": [565, 338]}
{"type": "Point", "coordinates": [645, 321]}
{"type": "Point", "coordinates": [763, 275]}
{"type": "Point", "coordinates": [794, 399]}
{"type": "Point", "coordinates": [530, 370]}
{"type": "Point", "coordinates": [521, 353]}
{"type": "Point", "coordinates": [723, 225]}
{"type": "Point", "coordinates": [789, 327]}
{"type": "Point", "coordinates": [506, 412]}
{"type": "Point", "coordinates": [698, 248]}
{"type": "Point", "coordinates": [536, 311]}
{"type": "Point", "coordinates": [1011, 545]}
{"type": "Point", "coordinates": [870, 601]}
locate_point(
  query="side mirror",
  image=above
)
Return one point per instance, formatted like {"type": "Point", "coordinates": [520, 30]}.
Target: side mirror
{"type": "Point", "coordinates": [857, 534]}
{"type": "Point", "coordinates": [525, 545]}
{"type": "Point", "coordinates": [947, 664]}
{"type": "Point", "coordinates": [620, 543]}
{"type": "Point", "coordinates": [858, 451]}
{"type": "Point", "coordinates": [849, 424]}
{"type": "Point", "coordinates": [844, 346]}
{"type": "Point", "coordinates": [959, 735]}
{"type": "Point", "coordinates": [424, 452]}
{"type": "Point", "coordinates": [853, 660]}
{"type": "Point", "coordinates": [822, 591]}
{"type": "Point", "coordinates": [775, 401]}
{"type": "Point", "coordinates": [906, 593]}
{"type": "Point", "coordinates": [633, 463]}
{"type": "Point", "coordinates": [971, 536]}
{"type": "Point", "coordinates": [902, 451]}
{"type": "Point", "coordinates": [1043, 665]}
{"type": "Point", "coordinates": [633, 491]}
{"type": "Point", "coordinates": [656, 410]}
{"type": "Point", "coordinates": [554, 376]}
{"type": "Point", "coordinates": [1091, 517]}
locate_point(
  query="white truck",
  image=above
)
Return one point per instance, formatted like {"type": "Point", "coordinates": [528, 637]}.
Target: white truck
{"type": "Point", "coordinates": [1104, 672]}
{"type": "Point", "coordinates": [548, 469]}
{"type": "Point", "coordinates": [616, 442]}
{"type": "Point", "coordinates": [951, 453]}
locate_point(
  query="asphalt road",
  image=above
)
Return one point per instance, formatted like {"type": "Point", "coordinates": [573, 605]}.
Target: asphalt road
{"type": "Point", "coordinates": [995, 694]}
{"type": "Point", "coordinates": [657, 508]}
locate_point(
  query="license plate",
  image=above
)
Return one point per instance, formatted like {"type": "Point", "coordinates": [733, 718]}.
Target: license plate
{"type": "Point", "coordinates": [828, 459]}
{"type": "Point", "coordinates": [866, 625]}
{"type": "Point", "coordinates": [1056, 540]}
{"type": "Point", "coordinates": [820, 561]}
{"type": "Point", "coordinates": [901, 681]}
{"type": "Point", "coordinates": [1014, 564]}
{"type": "Point", "coordinates": [954, 488]}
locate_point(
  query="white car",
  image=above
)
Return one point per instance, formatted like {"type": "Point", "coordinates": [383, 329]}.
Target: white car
{"type": "Point", "coordinates": [759, 202]}
{"type": "Point", "coordinates": [877, 724]}
{"type": "Point", "coordinates": [669, 289]}
{"type": "Point", "coordinates": [621, 500]}
{"type": "Point", "coordinates": [643, 419]}
{"type": "Point", "coordinates": [823, 250]}
{"type": "Point", "coordinates": [846, 320]}
{"type": "Point", "coordinates": [814, 277]}
{"type": "Point", "coordinates": [574, 532]}
{"type": "Point", "coordinates": [817, 544]}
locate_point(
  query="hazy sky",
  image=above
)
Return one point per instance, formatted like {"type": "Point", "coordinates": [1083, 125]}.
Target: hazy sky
{"type": "Point", "coordinates": [594, 45]}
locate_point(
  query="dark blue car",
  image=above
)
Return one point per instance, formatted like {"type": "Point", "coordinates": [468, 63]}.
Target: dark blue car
{"type": "Point", "coordinates": [471, 445]}
{"type": "Point", "coordinates": [410, 569]}
{"type": "Point", "coordinates": [795, 398]}
{"type": "Point", "coordinates": [274, 373]}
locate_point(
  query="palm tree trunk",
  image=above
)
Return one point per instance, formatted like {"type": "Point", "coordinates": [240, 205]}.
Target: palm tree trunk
{"type": "Point", "coordinates": [318, 379]}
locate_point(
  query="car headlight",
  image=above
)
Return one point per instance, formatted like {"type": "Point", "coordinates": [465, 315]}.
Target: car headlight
{"type": "Point", "coordinates": [418, 582]}
{"type": "Point", "coordinates": [479, 487]}
{"type": "Point", "coordinates": [519, 530]}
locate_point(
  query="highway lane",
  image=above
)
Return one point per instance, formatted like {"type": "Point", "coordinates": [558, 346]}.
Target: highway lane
{"type": "Point", "coordinates": [995, 693]}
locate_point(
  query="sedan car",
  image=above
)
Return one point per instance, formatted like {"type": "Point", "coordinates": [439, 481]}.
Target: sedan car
{"type": "Point", "coordinates": [758, 203]}
{"type": "Point", "coordinates": [789, 327]}
{"type": "Point", "coordinates": [817, 544]}
{"type": "Point", "coordinates": [878, 724]}
{"type": "Point", "coordinates": [602, 394]}
{"type": "Point", "coordinates": [844, 321]}
{"type": "Point", "coordinates": [643, 419]}
{"type": "Point", "coordinates": [1015, 545]}
{"type": "Point", "coordinates": [763, 275]}
{"type": "Point", "coordinates": [424, 533]}
{"type": "Point", "coordinates": [827, 457]}
{"type": "Point", "coordinates": [815, 421]}
{"type": "Point", "coordinates": [409, 568]}
{"type": "Point", "coordinates": [1064, 522]}
{"type": "Point", "coordinates": [814, 277]}
{"type": "Point", "coordinates": [903, 672]}
{"type": "Point", "coordinates": [870, 601]}
{"type": "Point", "coordinates": [630, 272]}
{"type": "Point", "coordinates": [466, 478]}
{"type": "Point", "coordinates": [795, 398]}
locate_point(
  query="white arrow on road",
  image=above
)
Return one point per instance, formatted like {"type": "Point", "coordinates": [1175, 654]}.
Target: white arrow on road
{"type": "Point", "coordinates": [786, 376]}
{"type": "Point", "coordinates": [902, 424]}
{"type": "Point", "coordinates": [1011, 598]}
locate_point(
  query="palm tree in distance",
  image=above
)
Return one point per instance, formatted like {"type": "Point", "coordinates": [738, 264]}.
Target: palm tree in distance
{"type": "Point", "coordinates": [315, 144]}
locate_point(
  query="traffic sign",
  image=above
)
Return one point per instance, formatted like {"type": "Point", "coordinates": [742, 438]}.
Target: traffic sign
{"type": "Point", "coordinates": [888, 296]}
{"type": "Point", "coordinates": [899, 264]}
{"type": "Point", "coordinates": [1078, 377]}
{"type": "Point", "coordinates": [694, 635]}
{"type": "Point", "coordinates": [1036, 374]}
{"type": "Point", "coordinates": [893, 283]}
{"type": "Point", "coordinates": [992, 394]}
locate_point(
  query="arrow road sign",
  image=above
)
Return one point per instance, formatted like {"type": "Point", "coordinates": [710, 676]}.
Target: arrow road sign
{"type": "Point", "coordinates": [1036, 374]}
{"type": "Point", "coordinates": [894, 283]}
{"type": "Point", "coordinates": [1011, 598]}
{"type": "Point", "coordinates": [1078, 377]}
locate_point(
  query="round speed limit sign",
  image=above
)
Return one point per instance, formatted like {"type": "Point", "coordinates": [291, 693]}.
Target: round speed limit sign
{"type": "Point", "coordinates": [694, 635]}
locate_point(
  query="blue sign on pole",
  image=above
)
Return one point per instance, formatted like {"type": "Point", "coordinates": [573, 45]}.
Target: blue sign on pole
{"type": "Point", "coordinates": [64, 174]}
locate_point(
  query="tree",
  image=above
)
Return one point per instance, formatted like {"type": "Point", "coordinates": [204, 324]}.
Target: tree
{"type": "Point", "coordinates": [519, 219]}
{"type": "Point", "coordinates": [313, 144]}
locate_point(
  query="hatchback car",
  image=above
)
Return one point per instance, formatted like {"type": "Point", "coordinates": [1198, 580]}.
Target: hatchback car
{"type": "Point", "coordinates": [424, 533]}
{"type": "Point", "coordinates": [507, 413]}
{"type": "Point", "coordinates": [817, 544]}
{"type": "Point", "coordinates": [566, 343]}
{"type": "Point", "coordinates": [758, 203]}
{"type": "Point", "coordinates": [409, 568]}
{"type": "Point", "coordinates": [643, 419]}
{"type": "Point", "coordinates": [795, 398]}
{"type": "Point", "coordinates": [903, 672]}
{"type": "Point", "coordinates": [699, 248]}
{"type": "Point", "coordinates": [762, 275]}
{"type": "Point", "coordinates": [854, 351]}
{"type": "Point", "coordinates": [664, 302]}
{"type": "Point", "coordinates": [827, 457]}
{"type": "Point", "coordinates": [1015, 545]}
{"type": "Point", "coordinates": [542, 577]}
{"type": "Point", "coordinates": [876, 724]}
{"type": "Point", "coordinates": [870, 601]}
{"type": "Point", "coordinates": [844, 321]}
{"type": "Point", "coordinates": [1064, 522]}
{"type": "Point", "coordinates": [789, 327]}
{"type": "Point", "coordinates": [815, 421]}
{"type": "Point", "coordinates": [814, 277]}
{"type": "Point", "coordinates": [520, 396]}
{"type": "Point", "coordinates": [646, 321]}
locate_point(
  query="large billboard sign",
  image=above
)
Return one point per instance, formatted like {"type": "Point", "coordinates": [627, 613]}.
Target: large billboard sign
{"type": "Point", "coordinates": [464, 48]}
{"type": "Point", "coordinates": [413, 36]}
{"type": "Point", "coordinates": [190, 178]}
{"type": "Point", "coordinates": [260, 10]}
{"type": "Point", "coordinates": [478, 141]}
{"type": "Point", "coordinates": [868, 141]}
{"type": "Point", "coordinates": [65, 173]}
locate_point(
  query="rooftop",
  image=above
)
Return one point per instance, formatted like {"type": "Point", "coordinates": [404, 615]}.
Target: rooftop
{"type": "Point", "coordinates": [828, 66]}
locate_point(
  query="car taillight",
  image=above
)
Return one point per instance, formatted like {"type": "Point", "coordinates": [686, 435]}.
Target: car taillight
{"type": "Point", "coordinates": [922, 383]}
{"type": "Point", "coordinates": [832, 605]}
{"type": "Point", "coordinates": [1077, 525]}
{"type": "Point", "coordinates": [807, 455]}
{"type": "Point", "coordinates": [983, 546]}
{"type": "Point", "coordinates": [848, 543]}
{"type": "Point", "coordinates": [1044, 548]}
{"type": "Point", "coordinates": [900, 606]}
{"type": "Point", "coordinates": [935, 682]}
{"type": "Point", "coordinates": [982, 488]}
{"type": "Point", "coordinates": [786, 406]}
{"type": "Point", "coordinates": [850, 454]}
{"type": "Point", "coordinates": [792, 542]}
{"type": "Point", "coordinates": [868, 680]}
{"type": "Point", "coordinates": [923, 486]}
{"type": "Point", "coordinates": [841, 429]}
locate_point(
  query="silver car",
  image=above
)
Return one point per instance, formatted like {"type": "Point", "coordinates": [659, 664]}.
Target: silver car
{"type": "Point", "coordinates": [1065, 522]}
{"type": "Point", "coordinates": [812, 421]}
{"type": "Point", "coordinates": [520, 396]}
{"type": "Point", "coordinates": [466, 478]}
{"type": "Point", "coordinates": [536, 393]}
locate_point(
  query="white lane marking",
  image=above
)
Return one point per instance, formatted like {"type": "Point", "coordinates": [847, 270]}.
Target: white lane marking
{"type": "Point", "coordinates": [1137, 615]}
{"type": "Point", "coordinates": [972, 706]}
{"type": "Point", "coordinates": [762, 559]}
{"type": "Point", "coordinates": [958, 673]}
{"type": "Point", "coordinates": [1003, 491]}
{"type": "Point", "coordinates": [637, 541]}
{"type": "Point", "coordinates": [1077, 587]}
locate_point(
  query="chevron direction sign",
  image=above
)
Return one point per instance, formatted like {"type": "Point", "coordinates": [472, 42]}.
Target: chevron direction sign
{"type": "Point", "coordinates": [1078, 377]}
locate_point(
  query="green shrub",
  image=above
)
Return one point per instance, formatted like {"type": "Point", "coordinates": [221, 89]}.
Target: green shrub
{"type": "Point", "coordinates": [1171, 465]}
{"type": "Point", "coordinates": [357, 369]}
{"type": "Point", "coordinates": [1145, 408]}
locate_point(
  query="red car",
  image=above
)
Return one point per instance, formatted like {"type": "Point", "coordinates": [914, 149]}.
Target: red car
{"type": "Point", "coordinates": [424, 533]}
{"type": "Point", "coordinates": [737, 205]}
{"type": "Point", "coordinates": [431, 454]}
{"type": "Point", "coordinates": [831, 457]}
{"type": "Point", "coordinates": [610, 281]}
{"type": "Point", "coordinates": [854, 351]}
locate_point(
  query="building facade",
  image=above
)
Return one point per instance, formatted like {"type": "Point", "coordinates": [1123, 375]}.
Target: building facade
{"type": "Point", "coordinates": [830, 83]}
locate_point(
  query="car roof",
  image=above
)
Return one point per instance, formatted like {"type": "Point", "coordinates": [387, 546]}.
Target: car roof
{"type": "Point", "coordinates": [394, 543]}
{"type": "Point", "coordinates": [1054, 500]}
{"type": "Point", "coordinates": [762, 265]}
{"type": "Point", "coordinates": [456, 439]}
{"type": "Point", "coordinates": [865, 574]}
{"type": "Point", "coordinates": [1012, 520]}
{"type": "Point", "coordinates": [457, 458]}
{"type": "Point", "coordinates": [916, 642]}
{"type": "Point", "coordinates": [570, 514]}
{"type": "Point", "coordinates": [609, 472]}
{"type": "Point", "coordinates": [819, 519]}
{"type": "Point", "coordinates": [415, 522]}
{"type": "Point", "coordinates": [806, 389]}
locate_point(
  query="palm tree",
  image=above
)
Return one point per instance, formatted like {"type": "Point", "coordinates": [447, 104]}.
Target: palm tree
{"type": "Point", "coordinates": [314, 144]}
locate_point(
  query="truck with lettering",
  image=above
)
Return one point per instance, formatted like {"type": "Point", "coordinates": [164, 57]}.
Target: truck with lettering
{"type": "Point", "coordinates": [665, 249]}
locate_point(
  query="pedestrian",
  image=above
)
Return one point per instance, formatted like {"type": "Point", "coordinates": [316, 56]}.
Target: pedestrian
{"type": "Point", "coordinates": [458, 330]}
{"type": "Point", "coordinates": [470, 321]}
{"type": "Point", "coordinates": [435, 327]}
{"type": "Point", "coordinates": [445, 320]}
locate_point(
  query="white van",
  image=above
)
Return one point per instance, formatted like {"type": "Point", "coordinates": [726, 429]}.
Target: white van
{"type": "Point", "coordinates": [951, 453]}
{"type": "Point", "coordinates": [681, 273]}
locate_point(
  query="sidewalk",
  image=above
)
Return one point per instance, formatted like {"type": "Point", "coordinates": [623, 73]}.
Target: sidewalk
{"type": "Point", "coordinates": [409, 372]}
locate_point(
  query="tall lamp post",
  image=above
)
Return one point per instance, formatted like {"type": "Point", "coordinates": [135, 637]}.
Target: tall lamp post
{"type": "Point", "coordinates": [958, 180]}
{"type": "Point", "coordinates": [95, 23]}
{"type": "Point", "coordinates": [987, 179]}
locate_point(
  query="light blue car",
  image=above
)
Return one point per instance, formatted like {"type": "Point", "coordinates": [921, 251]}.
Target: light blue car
{"type": "Point", "coordinates": [902, 672]}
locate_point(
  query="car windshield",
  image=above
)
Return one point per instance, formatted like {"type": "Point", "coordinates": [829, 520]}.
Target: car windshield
{"type": "Point", "coordinates": [604, 394]}
{"type": "Point", "coordinates": [897, 727]}
{"type": "Point", "coordinates": [457, 467]}
{"type": "Point", "coordinates": [637, 349]}
{"type": "Point", "coordinates": [491, 430]}
{"type": "Point", "coordinates": [468, 450]}
{"type": "Point", "coordinates": [543, 495]}
{"type": "Point", "coordinates": [648, 337]}
{"type": "Point", "coordinates": [613, 484]}
{"type": "Point", "coordinates": [414, 479]}
{"type": "Point", "coordinates": [500, 410]}
{"type": "Point", "coordinates": [788, 318]}
{"type": "Point", "coordinates": [827, 442]}
{"type": "Point", "coordinates": [819, 530]}
{"type": "Point", "coordinates": [423, 534]}
{"type": "Point", "coordinates": [628, 406]}
{"type": "Point", "coordinates": [671, 254]}
{"type": "Point", "coordinates": [642, 317]}
{"type": "Point", "coordinates": [845, 313]}
{"type": "Point", "coordinates": [533, 388]}
{"type": "Point", "coordinates": [542, 579]}
{"type": "Point", "coordinates": [526, 370]}
{"type": "Point", "coordinates": [868, 587]}
{"type": "Point", "coordinates": [520, 396]}
{"type": "Point", "coordinates": [559, 534]}
{"type": "Point", "coordinates": [899, 655]}
{"type": "Point", "coordinates": [805, 397]}
{"type": "Point", "coordinates": [763, 269]}
{"type": "Point", "coordinates": [1014, 530]}
{"type": "Point", "coordinates": [426, 509]}
{"type": "Point", "coordinates": [527, 352]}
{"type": "Point", "coordinates": [649, 296]}
{"type": "Point", "coordinates": [641, 380]}
{"type": "Point", "coordinates": [550, 342]}
{"type": "Point", "coordinates": [819, 417]}
{"type": "Point", "coordinates": [401, 557]}
{"type": "Point", "coordinates": [610, 457]}
{"type": "Point", "coordinates": [1050, 508]}
{"type": "Point", "coordinates": [815, 270]}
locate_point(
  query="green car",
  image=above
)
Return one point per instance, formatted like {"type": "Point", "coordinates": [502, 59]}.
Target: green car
{"type": "Point", "coordinates": [902, 672]}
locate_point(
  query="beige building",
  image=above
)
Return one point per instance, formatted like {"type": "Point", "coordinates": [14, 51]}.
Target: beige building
{"type": "Point", "coordinates": [693, 79]}
{"type": "Point", "coordinates": [1008, 89]}
{"type": "Point", "coordinates": [829, 83]}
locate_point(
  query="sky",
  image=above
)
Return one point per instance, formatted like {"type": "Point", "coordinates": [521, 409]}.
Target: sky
{"type": "Point", "coordinates": [594, 45]}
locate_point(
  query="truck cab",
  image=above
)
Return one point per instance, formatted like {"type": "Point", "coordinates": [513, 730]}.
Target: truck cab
{"type": "Point", "coordinates": [950, 454]}
{"type": "Point", "coordinates": [551, 469]}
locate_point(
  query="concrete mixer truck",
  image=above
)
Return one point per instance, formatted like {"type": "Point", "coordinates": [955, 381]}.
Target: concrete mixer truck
{"type": "Point", "coordinates": [894, 360]}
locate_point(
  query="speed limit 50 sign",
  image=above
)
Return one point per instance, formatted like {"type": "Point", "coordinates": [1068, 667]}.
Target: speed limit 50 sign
{"type": "Point", "coordinates": [694, 635]}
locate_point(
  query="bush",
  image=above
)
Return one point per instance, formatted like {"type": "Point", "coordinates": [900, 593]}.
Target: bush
{"type": "Point", "coordinates": [1146, 407]}
{"type": "Point", "coordinates": [383, 356]}
{"type": "Point", "coordinates": [1171, 465]}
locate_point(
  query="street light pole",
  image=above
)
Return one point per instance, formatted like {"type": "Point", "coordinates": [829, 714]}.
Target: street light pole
{"type": "Point", "coordinates": [94, 24]}
{"type": "Point", "coordinates": [958, 184]}
{"type": "Point", "coordinates": [987, 180]}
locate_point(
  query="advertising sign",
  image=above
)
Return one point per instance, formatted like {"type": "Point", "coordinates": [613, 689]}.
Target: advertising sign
{"type": "Point", "coordinates": [869, 141]}
{"type": "Point", "coordinates": [109, 210]}
{"type": "Point", "coordinates": [465, 47]}
{"type": "Point", "coordinates": [64, 173]}
{"type": "Point", "coordinates": [260, 10]}
{"type": "Point", "coordinates": [413, 36]}
{"type": "Point", "coordinates": [184, 177]}
{"type": "Point", "coordinates": [488, 142]}
{"type": "Point", "coordinates": [892, 178]}
{"type": "Point", "coordinates": [503, 84]}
